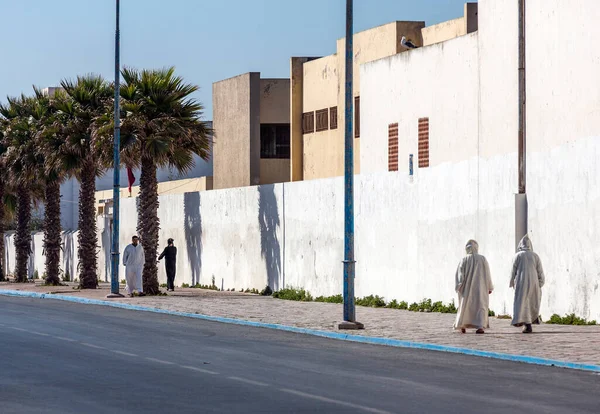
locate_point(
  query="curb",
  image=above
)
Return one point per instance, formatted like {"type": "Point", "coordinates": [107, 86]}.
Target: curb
{"type": "Point", "coordinates": [323, 334]}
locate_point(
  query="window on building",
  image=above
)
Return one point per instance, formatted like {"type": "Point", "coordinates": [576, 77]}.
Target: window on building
{"type": "Point", "coordinates": [322, 118]}
{"type": "Point", "coordinates": [333, 117]}
{"type": "Point", "coordinates": [357, 117]}
{"type": "Point", "coordinates": [275, 141]}
{"type": "Point", "coordinates": [308, 122]}
{"type": "Point", "coordinates": [423, 142]}
{"type": "Point", "coordinates": [393, 147]}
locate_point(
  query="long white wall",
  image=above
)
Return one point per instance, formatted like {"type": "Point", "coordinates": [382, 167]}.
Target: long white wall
{"type": "Point", "coordinates": [563, 126]}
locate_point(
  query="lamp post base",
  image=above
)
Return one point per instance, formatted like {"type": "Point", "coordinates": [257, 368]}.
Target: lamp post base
{"type": "Point", "coordinates": [114, 296]}
{"type": "Point", "coordinates": [350, 326]}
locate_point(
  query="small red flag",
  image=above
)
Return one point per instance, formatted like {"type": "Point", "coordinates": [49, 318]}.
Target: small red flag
{"type": "Point", "coordinates": [131, 178]}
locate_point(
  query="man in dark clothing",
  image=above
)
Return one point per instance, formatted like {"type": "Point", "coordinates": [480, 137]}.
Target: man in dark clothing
{"type": "Point", "coordinates": [170, 253]}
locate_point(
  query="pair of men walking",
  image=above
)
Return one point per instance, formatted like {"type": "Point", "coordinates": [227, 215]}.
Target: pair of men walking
{"type": "Point", "coordinates": [134, 259]}
{"type": "Point", "coordinates": [474, 285]}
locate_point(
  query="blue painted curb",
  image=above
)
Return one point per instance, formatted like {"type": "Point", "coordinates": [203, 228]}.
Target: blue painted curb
{"type": "Point", "coordinates": [324, 334]}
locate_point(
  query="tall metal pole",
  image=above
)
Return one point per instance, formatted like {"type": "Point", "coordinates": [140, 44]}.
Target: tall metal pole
{"type": "Point", "coordinates": [521, 205]}
{"type": "Point", "coordinates": [522, 107]}
{"type": "Point", "coordinates": [114, 276]}
{"type": "Point", "coordinates": [349, 262]}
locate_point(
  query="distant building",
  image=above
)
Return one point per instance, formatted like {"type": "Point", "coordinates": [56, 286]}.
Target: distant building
{"type": "Point", "coordinates": [258, 142]}
{"type": "Point", "coordinates": [252, 131]}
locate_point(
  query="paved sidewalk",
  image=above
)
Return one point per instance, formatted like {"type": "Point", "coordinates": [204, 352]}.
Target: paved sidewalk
{"type": "Point", "coordinates": [580, 344]}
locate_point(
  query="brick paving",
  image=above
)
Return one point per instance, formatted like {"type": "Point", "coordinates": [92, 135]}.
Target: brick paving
{"type": "Point", "coordinates": [579, 344]}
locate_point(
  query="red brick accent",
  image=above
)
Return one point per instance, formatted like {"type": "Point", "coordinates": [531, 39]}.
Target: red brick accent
{"type": "Point", "coordinates": [322, 118]}
{"type": "Point", "coordinates": [333, 117]}
{"type": "Point", "coordinates": [423, 142]}
{"type": "Point", "coordinates": [393, 147]}
{"type": "Point", "coordinates": [308, 122]}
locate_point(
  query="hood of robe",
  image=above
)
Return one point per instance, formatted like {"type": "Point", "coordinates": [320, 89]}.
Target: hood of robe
{"type": "Point", "coordinates": [525, 244]}
{"type": "Point", "coordinates": [472, 247]}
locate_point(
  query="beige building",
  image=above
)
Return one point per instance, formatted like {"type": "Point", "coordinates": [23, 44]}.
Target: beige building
{"type": "Point", "coordinates": [277, 130]}
{"type": "Point", "coordinates": [318, 95]}
{"type": "Point", "coordinates": [252, 131]}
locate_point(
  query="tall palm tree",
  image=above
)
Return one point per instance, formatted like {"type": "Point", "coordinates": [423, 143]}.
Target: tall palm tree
{"type": "Point", "coordinates": [21, 162]}
{"type": "Point", "coordinates": [87, 99]}
{"type": "Point", "coordinates": [165, 126]}
{"type": "Point", "coordinates": [50, 148]}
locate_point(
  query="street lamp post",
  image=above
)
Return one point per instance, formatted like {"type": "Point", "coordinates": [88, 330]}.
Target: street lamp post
{"type": "Point", "coordinates": [349, 262]}
{"type": "Point", "coordinates": [115, 255]}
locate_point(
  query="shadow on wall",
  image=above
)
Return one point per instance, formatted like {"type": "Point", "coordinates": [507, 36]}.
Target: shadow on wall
{"type": "Point", "coordinates": [268, 219]}
{"type": "Point", "coordinates": [31, 260]}
{"type": "Point", "coordinates": [193, 233]}
{"type": "Point", "coordinates": [68, 252]}
{"type": "Point", "coordinates": [106, 246]}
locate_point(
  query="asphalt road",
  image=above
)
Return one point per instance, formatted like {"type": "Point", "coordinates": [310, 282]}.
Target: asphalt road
{"type": "Point", "coordinates": [58, 357]}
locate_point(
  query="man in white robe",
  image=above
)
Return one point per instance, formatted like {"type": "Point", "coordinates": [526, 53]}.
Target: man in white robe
{"type": "Point", "coordinates": [133, 260]}
{"type": "Point", "coordinates": [527, 278]}
{"type": "Point", "coordinates": [473, 285]}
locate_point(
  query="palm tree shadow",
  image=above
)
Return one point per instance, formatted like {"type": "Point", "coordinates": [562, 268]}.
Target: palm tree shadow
{"type": "Point", "coordinates": [68, 253]}
{"type": "Point", "coordinates": [107, 250]}
{"type": "Point", "coordinates": [31, 259]}
{"type": "Point", "coordinates": [193, 233]}
{"type": "Point", "coordinates": [268, 219]}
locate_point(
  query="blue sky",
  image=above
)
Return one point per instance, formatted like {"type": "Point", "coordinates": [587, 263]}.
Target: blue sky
{"type": "Point", "coordinates": [207, 40]}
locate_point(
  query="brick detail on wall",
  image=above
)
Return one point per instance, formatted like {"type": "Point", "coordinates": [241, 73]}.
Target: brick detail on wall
{"type": "Point", "coordinates": [393, 147]}
{"type": "Point", "coordinates": [308, 122]}
{"type": "Point", "coordinates": [322, 120]}
{"type": "Point", "coordinates": [333, 117]}
{"type": "Point", "coordinates": [423, 142]}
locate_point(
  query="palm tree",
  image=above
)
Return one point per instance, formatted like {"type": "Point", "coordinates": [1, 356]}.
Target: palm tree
{"type": "Point", "coordinates": [87, 100]}
{"type": "Point", "coordinates": [165, 128]}
{"type": "Point", "coordinates": [50, 148]}
{"type": "Point", "coordinates": [21, 161]}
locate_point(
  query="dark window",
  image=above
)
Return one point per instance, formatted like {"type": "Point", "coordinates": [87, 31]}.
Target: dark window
{"type": "Point", "coordinates": [322, 116]}
{"type": "Point", "coordinates": [333, 117]}
{"type": "Point", "coordinates": [423, 142]}
{"type": "Point", "coordinates": [393, 147]}
{"type": "Point", "coordinates": [308, 122]}
{"type": "Point", "coordinates": [357, 117]}
{"type": "Point", "coordinates": [275, 141]}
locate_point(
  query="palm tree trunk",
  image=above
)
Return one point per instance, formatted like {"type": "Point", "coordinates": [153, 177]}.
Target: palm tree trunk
{"type": "Point", "coordinates": [23, 233]}
{"type": "Point", "coordinates": [88, 245]}
{"type": "Point", "coordinates": [2, 252]}
{"type": "Point", "coordinates": [52, 233]}
{"type": "Point", "coordinates": [149, 224]}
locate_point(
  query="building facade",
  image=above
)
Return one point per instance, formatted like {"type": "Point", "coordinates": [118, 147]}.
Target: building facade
{"type": "Point", "coordinates": [252, 124]}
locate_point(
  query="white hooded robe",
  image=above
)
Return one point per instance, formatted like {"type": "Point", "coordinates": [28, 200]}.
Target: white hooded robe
{"type": "Point", "coordinates": [133, 260]}
{"type": "Point", "coordinates": [527, 278]}
{"type": "Point", "coordinates": [473, 284]}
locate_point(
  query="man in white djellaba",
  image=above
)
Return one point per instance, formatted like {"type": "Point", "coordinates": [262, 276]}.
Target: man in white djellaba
{"type": "Point", "coordinates": [133, 260]}
{"type": "Point", "coordinates": [473, 285]}
{"type": "Point", "coordinates": [528, 279]}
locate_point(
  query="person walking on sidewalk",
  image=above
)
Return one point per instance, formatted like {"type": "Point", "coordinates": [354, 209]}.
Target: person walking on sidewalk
{"type": "Point", "coordinates": [473, 285]}
{"type": "Point", "coordinates": [170, 255]}
{"type": "Point", "coordinates": [528, 279]}
{"type": "Point", "coordinates": [133, 260]}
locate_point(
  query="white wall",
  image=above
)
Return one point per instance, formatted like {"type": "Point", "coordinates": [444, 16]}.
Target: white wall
{"type": "Point", "coordinates": [563, 126]}
{"type": "Point", "coordinates": [68, 256]}
{"type": "Point", "coordinates": [437, 81]}
{"type": "Point", "coordinates": [563, 142]}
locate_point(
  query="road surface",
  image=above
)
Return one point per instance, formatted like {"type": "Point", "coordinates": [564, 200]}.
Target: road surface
{"type": "Point", "coordinates": [58, 357]}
